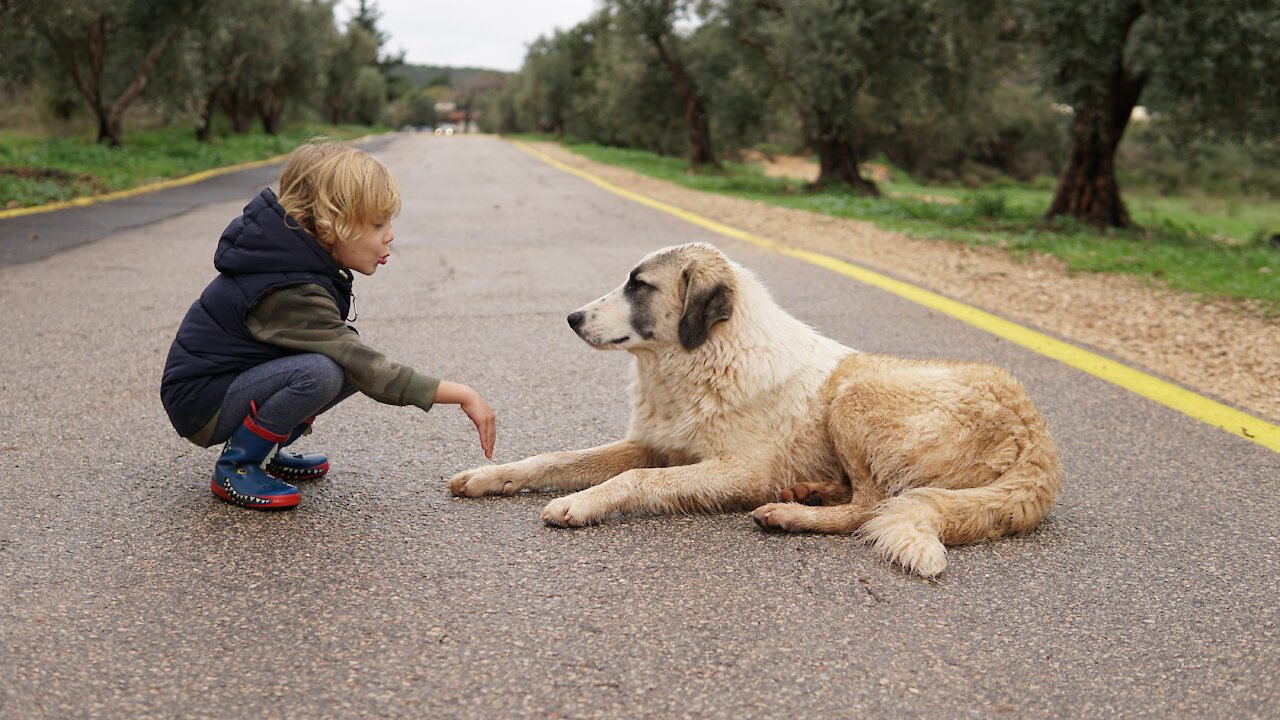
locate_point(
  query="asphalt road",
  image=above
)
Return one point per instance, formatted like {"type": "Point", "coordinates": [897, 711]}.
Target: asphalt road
{"type": "Point", "coordinates": [129, 591]}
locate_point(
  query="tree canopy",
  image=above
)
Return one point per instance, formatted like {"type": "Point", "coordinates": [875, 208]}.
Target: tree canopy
{"type": "Point", "coordinates": [1023, 86]}
{"type": "Point", "coordinates": [248, 62]}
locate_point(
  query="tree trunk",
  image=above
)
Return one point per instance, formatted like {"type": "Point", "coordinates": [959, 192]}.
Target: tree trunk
{"type": "Point", "coordinates": [139, 82]}
{"type": "Point", "coordinates": [1087, 189]}
{"type": "Point", "coordinates": [700, 150]}
{"type": "Point", "coordinates": [838, 158]}
{"type": "Point", "coordinates": [238, 111]}
{"type": "Point", "coordinates": [270, 110]}
{"type": "Point", "coordinates": [697, 125]}
{"type": "Point", "coordinates": [108, 130]}
{"type": "Point", "coordinates": [270, 122]}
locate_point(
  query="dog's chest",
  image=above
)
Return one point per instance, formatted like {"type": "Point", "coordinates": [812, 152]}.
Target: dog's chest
{"type": "Point", "coordinates": [698, 419]}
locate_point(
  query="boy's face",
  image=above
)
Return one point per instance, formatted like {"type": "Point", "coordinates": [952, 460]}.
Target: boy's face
{"type": "Point", "coordinates": [367, 251]}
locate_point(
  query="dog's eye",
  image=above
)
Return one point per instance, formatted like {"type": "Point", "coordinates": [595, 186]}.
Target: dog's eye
{"type": "Point", "coordinates": [637, 284]}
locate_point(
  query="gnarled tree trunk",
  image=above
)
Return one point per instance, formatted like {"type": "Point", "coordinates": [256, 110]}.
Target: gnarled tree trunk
{"type": "Point", "coordinates": [838, 158]}
{"type": "Point", "coordinates": [239, 109]}
{"type": "Point", "coordinates": [1087, 189]}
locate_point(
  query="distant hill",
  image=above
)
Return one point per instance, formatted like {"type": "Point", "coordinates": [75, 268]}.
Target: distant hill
{"type": "Point", "coordinates": [455, 77]}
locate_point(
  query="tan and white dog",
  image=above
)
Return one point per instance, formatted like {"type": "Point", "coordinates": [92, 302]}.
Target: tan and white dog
{"type": "Point", "coordinates": [736, 404]}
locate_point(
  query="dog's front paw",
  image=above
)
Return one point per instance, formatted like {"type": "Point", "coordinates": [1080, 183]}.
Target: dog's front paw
{"type": "Point", "coordinates": [567, 511]}
{"type": "Point", "coordinates": [780, 517]}
{"type": "Point", "coordinates": [484, 480]}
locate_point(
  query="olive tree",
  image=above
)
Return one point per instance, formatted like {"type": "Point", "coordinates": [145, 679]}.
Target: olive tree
{"type": "Point", "coordinates": [654, 21]}
{"type": "Point", "coordinates": [109, 49]}
{"type": "Point", "coordinates": [1208, 67]}
{"type": "Point", "coordinates": [847, 64]}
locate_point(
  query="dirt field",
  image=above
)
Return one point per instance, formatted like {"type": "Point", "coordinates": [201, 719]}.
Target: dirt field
{"type": "Point", "coordinates": [1212, 347]}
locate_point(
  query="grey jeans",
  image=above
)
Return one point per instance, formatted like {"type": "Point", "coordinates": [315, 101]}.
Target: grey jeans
{"type": "Point", "coordinates": [286, 392]}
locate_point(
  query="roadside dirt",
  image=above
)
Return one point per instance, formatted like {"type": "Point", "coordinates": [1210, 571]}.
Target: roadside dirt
{"type": "Point", "coordinates": [1213, 347]}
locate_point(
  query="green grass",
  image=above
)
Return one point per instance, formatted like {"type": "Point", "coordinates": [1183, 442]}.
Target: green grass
{"type": "Point", "coordinates": [1180, 245]}
{"type": "Point", "coordinates": [36, 169]}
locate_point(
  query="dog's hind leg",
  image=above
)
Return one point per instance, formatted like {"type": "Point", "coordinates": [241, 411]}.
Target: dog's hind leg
{"type": "Point", "coordinates": [810, 493]}
{"type": "Point", "coordinates": [794, 517]}
{"type": "Point", "coordinates": [568, 470]}
{"type": "Point", "coordinates": [830, 517]}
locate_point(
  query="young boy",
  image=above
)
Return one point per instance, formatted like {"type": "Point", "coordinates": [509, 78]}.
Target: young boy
{"type": "Point", "coordinates": [267, 346]}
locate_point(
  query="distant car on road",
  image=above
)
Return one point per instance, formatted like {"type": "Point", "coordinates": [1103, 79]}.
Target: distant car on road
{"type": "Point", "coordinates": [447, 129]}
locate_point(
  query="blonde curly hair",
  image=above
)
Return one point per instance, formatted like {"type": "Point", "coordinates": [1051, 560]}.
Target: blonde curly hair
{"type": "Point", "coordinates": [334, 191]}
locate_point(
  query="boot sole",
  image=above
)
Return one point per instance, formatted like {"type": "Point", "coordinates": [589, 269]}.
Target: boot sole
{"type": "Point", "coordinates": [278, 502]}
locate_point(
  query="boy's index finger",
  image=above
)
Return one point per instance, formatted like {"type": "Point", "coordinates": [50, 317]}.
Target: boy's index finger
{"type": "Point", "coordinates": [487, 436]}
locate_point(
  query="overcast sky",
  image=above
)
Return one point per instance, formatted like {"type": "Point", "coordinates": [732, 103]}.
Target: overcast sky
{"type": "Point", "coordinates": [475, 33]}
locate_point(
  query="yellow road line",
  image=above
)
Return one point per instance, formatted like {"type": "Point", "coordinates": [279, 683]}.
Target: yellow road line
{"type": "Point", "coordinates": [1184, 401]}
{"type": "Point", "coordinates": [153, 187]}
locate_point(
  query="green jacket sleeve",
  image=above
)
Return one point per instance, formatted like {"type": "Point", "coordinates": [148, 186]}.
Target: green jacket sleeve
{"type": "Point", "coordinates": [305, 318]}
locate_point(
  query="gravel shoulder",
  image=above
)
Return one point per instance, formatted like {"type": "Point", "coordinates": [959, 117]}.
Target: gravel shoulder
{"type": "Point", "coordinates": [1208, 346]}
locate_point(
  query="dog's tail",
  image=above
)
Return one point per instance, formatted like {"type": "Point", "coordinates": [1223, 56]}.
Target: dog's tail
{"type": "Point", "coordinates": [914, 528]}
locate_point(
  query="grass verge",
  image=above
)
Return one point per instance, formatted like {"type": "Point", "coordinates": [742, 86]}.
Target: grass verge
{"type": "Point", "coordinates": [1178, 247]}
{"type": "Point", "coordinates": [36, 170]}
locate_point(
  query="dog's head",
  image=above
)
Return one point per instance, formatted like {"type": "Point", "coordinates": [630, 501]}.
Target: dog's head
{"type": "Point", "coordinates": [675, 295]}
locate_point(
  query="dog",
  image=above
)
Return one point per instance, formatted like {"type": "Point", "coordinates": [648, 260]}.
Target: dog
{"type": "Point", "coordinates": [736, 404]}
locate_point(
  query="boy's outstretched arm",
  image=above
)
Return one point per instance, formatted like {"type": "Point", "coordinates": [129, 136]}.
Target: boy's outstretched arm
{"type": "Point", "coordinates": [306, 319]}
{"type": "Point", "coordinates": [475, 407]}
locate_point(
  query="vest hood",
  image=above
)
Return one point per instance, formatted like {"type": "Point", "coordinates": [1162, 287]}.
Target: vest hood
{"type": "Point", "coordinates": [260, 241]}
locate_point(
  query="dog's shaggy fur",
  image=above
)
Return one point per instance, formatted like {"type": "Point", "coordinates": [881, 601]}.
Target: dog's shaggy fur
{"type": "Point", "coordinates": [736, 404]}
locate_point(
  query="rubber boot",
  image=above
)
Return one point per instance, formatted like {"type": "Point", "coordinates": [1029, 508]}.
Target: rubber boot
{"type": "Point", "coordinates": [296, 466]}
{"type": "Point", "coordinates": [239, 476]}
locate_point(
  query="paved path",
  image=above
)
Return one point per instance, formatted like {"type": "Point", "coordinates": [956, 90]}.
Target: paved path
{"type": "Point", "coordinates": [129, 591]}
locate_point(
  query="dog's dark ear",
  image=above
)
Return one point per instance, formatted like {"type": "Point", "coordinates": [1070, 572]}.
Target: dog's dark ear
{"type": "Point", "coordinates": [707, 300]}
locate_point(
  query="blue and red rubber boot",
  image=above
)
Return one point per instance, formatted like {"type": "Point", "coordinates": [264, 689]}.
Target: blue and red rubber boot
{"type": "Point", "coordinates": [239, 476]}
{"type": "Point", "coordinates": [296, 466]}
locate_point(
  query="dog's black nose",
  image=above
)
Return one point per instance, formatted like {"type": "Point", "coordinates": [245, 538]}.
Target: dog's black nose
{"type": "Point", "coordinates": [576, 319]}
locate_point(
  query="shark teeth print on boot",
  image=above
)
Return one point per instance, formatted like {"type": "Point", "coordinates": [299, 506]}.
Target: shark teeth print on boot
{"type": "Point", "coordinates": [293, 467]}
{"type": "Point", "coordinates": [296, 466]}
{"type": "Point", "coordinates": [238, 475]}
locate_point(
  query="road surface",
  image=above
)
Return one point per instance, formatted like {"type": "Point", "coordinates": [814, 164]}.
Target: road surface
{"type": "Point", "coordinates": [130, 591]}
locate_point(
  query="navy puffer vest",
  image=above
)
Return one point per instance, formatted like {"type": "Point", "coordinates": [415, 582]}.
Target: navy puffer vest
{"type": "Point", "coordinates": [257, 253]}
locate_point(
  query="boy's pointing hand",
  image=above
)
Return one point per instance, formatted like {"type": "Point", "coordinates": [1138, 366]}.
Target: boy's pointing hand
{"type": "Point", "coordinates": [486, 424]}
{"type": "Point", "coordinates": [475, 407]}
